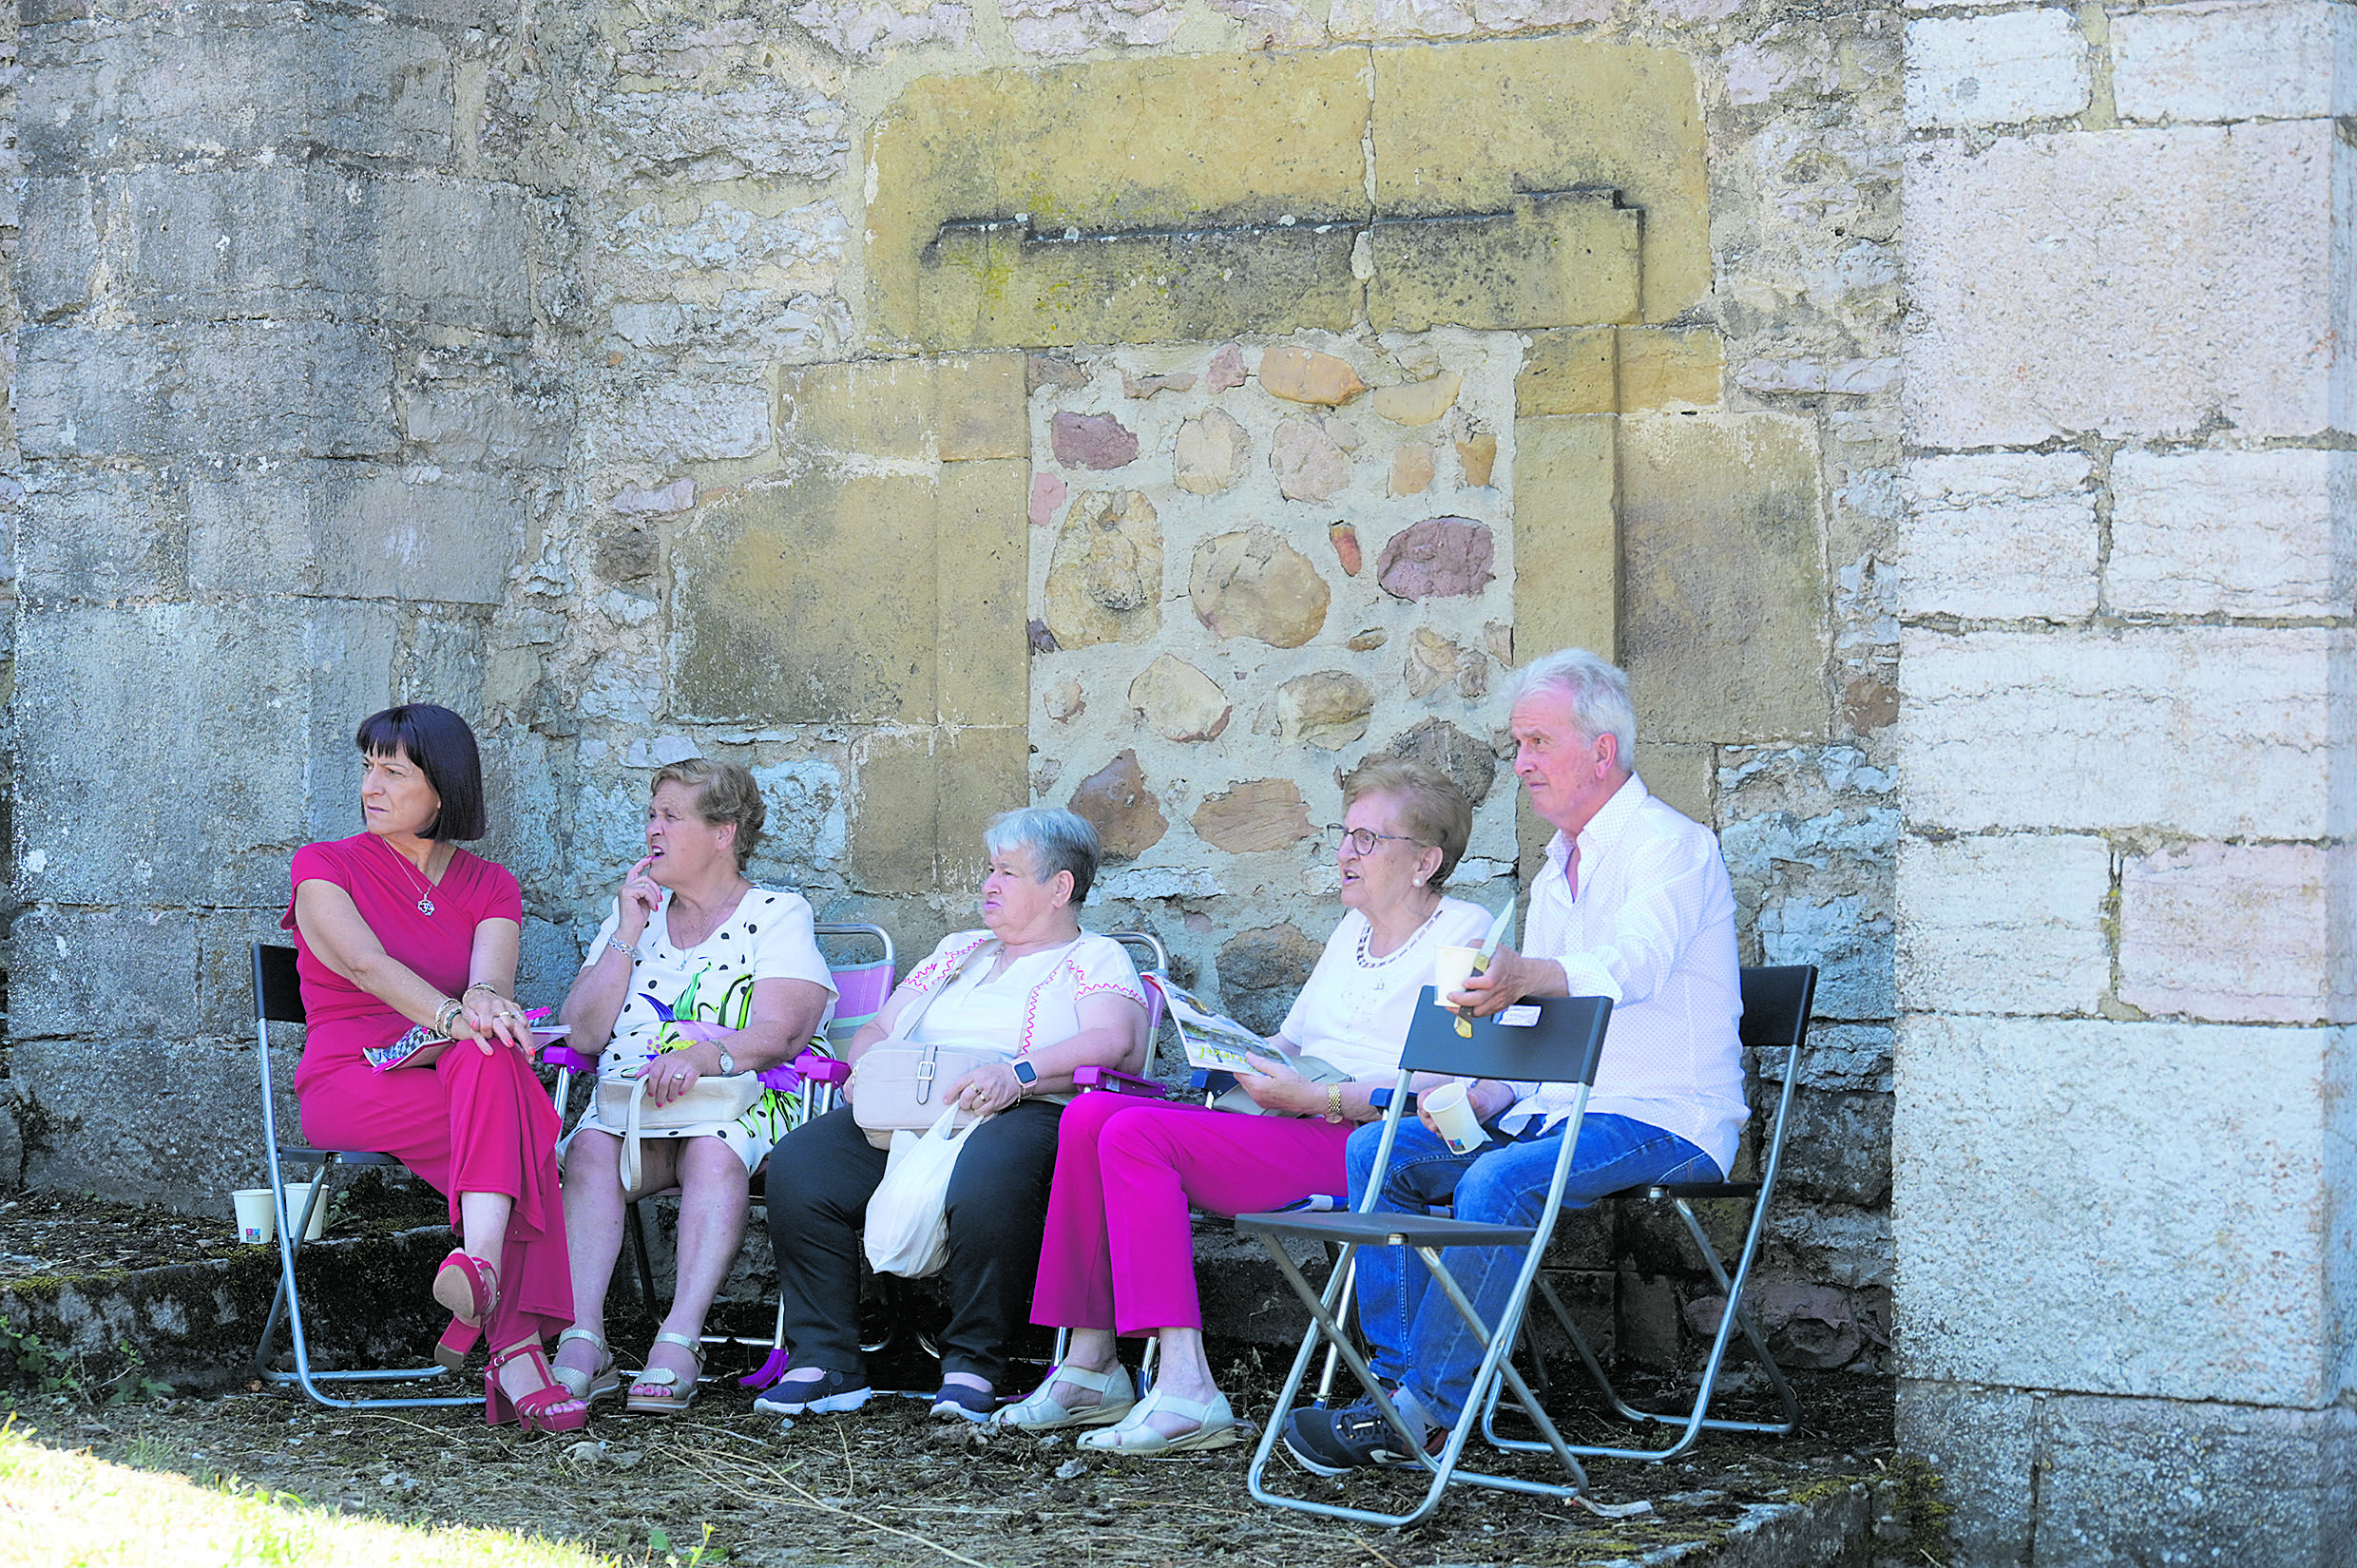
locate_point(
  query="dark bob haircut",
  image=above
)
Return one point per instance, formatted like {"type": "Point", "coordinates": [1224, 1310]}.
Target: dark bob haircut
{"type": "Point", "coordinates": [442, 746]}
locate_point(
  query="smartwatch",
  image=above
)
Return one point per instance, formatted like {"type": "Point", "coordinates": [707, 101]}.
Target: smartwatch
{"type": "Point", "coordinates": [1026, 1074]}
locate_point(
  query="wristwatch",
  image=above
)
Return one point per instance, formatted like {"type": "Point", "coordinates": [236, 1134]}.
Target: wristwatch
{"type": "Point", "coordinates": [1026, 1075]}
{"type": "Point", "coordinates": [728, 1063]}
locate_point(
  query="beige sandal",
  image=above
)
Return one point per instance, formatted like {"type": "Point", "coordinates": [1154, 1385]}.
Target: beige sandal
{"type": "Point", "coordinates": [1215, 1428]}
{"type": "Point", "coordinates": [1043, 1412]}
{"type": "Point", "coordinates": [588, 1388]}
{"type": "Point", "coordinates": [665, 1404]}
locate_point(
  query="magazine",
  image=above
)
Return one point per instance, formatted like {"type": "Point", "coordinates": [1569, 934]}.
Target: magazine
{"type": "Point", "coordinates": [1213, 1041]}
{"type": "Point", "coordinates": [424, 1044]}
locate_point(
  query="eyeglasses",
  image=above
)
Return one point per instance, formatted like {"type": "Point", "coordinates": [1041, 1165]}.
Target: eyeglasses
{"type": "Point", "coordinates": [1363, 840]}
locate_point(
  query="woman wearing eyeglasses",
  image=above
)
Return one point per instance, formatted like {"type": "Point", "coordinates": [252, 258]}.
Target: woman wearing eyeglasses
{"type": "Point", "coordinates": [1118, 1257]}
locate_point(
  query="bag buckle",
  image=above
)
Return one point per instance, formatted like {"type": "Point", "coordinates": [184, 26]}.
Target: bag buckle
{"type": "Point", "coordinates": [924, 1074]}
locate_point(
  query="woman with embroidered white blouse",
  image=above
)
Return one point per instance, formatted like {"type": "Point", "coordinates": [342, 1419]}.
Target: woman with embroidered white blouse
{"type": "Point", "coordinates": [1032, 983]}
{"type": "Point", "coordinates": [696, 972]}
{"type": "Point", "coordinates": [1118, 1253]}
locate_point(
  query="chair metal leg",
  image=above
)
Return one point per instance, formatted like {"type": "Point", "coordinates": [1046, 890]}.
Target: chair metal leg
{"type": "Point", "coordinates": [1697, 1420]}
{"type": "Point", "coordinates": [288, 1304]}
{"type": "Point", "coordinates": [637, 1227]}
{"type": "Point", "coordinates": [1443, 1469]}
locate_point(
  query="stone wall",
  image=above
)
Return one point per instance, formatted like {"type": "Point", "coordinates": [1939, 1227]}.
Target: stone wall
{"type": "Point", "coordinates": [1159, 408]}
{"type": "Point", "coordinates": [2123, 1149]}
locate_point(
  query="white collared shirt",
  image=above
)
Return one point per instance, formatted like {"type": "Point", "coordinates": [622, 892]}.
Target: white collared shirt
{"type": "Point", "coordinates": [1652, 927]}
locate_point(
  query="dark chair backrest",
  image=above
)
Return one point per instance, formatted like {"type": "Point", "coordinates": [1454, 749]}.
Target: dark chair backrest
{"type": "Point", "coordinates": [1776, 1003]}
{"type": "Point", "coordinates": [1561, 1047]}
{"type": "Point", "coordinates": [277, 991]}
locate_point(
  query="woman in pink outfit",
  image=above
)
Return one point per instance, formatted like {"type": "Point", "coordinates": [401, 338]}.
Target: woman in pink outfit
{"type": "Point", "coordinates": [1118, 1256]}
{"type": "Point", "coordinates": [397, 928]}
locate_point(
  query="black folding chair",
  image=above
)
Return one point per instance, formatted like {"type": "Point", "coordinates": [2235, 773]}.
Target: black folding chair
{"type": "Point", "coordinates": [1560, 1041]}
{"type": "Point", "coordinates": [1776, 1016]}
{"type": "Point", "coordinates": [277, 999]}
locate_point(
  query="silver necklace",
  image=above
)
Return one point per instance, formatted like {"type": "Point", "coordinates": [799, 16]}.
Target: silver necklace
{"type": "Point", "coordinates": [425, 891]}
{"type": "Point", "coordinates": [1365, 936]}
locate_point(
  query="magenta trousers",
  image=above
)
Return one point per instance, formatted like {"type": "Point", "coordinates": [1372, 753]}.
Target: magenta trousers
{"type": "Point", "coordinates": [1120, 1252]}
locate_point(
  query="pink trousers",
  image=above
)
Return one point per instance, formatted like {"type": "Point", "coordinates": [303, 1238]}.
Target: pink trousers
{"type": "Point", "coordinates": [468, 1123]}
{"type": "Point", "coordinates": [1120, 1252]}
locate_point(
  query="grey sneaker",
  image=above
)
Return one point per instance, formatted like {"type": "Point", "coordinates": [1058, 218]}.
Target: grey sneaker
{"type": "Point", "coordinates": [827, 1395]}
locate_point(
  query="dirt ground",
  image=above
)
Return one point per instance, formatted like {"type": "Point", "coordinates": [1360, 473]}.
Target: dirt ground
{"type": "Point", "coordinates": [889, 1484]}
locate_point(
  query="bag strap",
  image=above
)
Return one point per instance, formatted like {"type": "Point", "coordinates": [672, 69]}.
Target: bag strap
{"type": "Point", "coordinates": [631, 1137]}
{"type": "Point", "coordinates": [912, 1015]}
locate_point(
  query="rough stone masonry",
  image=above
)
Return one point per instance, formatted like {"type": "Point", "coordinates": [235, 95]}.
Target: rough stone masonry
{"type": "Point", "coordinates": [1158, 406]}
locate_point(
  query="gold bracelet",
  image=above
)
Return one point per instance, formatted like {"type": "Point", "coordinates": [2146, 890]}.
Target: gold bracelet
{"type": "Point", "coordinates": [1334, 1103]}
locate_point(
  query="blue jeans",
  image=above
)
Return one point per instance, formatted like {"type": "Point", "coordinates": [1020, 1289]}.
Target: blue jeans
{"type": "Point", "coordinates": [1410, 1323]}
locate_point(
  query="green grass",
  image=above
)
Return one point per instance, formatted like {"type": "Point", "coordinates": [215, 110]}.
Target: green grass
{"type": "Point", "coordinates": [76, 1511]}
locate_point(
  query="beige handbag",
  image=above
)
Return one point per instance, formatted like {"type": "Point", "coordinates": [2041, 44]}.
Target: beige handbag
{"type": "Point", "coordinates": [622, 1102]}
{"type": "Point", "coordinates": [896, 1085]}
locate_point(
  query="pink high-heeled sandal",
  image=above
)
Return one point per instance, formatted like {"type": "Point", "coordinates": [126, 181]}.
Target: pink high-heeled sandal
{"type": "Point", "coordinates": [469, 1289]}
{"type": "Point", "coordinates": [533, 1408]}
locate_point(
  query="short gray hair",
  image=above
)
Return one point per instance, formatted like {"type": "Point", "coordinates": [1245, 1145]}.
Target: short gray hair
{"type": "Point", "coordinates": [1059, 841]}
{"type": "Point", "coordinates": [1596, 690]}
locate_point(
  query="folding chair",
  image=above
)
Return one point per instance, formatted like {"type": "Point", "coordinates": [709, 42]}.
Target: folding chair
{"type": "Point", "coordinates": [816, 1075]}
{"type": "Point", "coordinates": [1775, 1014]}
{"type": "Point", "coordinates": [1560, 1042]}
{"type": "Point", "coordinates": [277, 999]}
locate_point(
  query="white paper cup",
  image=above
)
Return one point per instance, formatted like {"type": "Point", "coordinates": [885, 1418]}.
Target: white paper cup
{"type": "Point", "coordinates": [1453, 1113]}
{"type": "Point", "coordinates": [299, 1193]}
{"type": "Point", "coordinates": [257, 1218]}
{"type": "Point", "coordinates": [1451, 968]}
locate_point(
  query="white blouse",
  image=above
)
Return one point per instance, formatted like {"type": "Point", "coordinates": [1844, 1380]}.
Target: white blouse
{"type": "Point", "coordinates": [1355, 1010]}
{"type": "Point", "coordinates": [1034, 1002]}
{"type": "Point", "coordinates": [767, 936]}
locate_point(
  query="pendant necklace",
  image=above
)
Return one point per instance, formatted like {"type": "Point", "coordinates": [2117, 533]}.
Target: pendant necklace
{"type": "Point", "coordinates": [425, 892]}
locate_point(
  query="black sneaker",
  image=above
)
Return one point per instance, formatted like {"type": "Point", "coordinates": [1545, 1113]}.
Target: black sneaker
{"type": "Point", "coordinates": [1332, 1441]}
{"type": "Point", "coordinates": [825, 1394]}
{"type": "Point", "coordinates": [964, 1403]}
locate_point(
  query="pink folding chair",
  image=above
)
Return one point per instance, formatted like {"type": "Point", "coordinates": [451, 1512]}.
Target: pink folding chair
{"type": "Point", "coordinates": [811, 1081]}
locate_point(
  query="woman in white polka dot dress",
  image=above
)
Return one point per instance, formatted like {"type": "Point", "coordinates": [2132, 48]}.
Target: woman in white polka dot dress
{"type": "Point", "coordinates": [696, 971]}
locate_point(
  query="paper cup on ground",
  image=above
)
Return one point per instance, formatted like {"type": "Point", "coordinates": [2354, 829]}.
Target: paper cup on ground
{"type": "Point", "coordinates": [257, 1219]}
{"type": "Point", "coordinates": [1451, 968]}
{"type": "Point", "coordinates": [1453, 1113]}
{"type": "Point", "coordinates": [299, 1193]}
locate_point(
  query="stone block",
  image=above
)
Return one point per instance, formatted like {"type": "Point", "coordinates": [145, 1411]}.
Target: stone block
{"type": "Point", "coordinates": [222, 245]}
{"type": "Point", "coordinates": [2101, 713]}
{"type": "Point", "coordinates": [773, 130]}
{"type": "Point", "coordinates": [1262, 971]}
{"type": "Point", "coordinates": [2011, 924]}
{"type": "Point", "coordinates": [1679, 774]}
{"type": "Point", "coordinates": [792, 601]}
{"type": "Point", "coordinates": [466, 424]}
{"type": "Point", "coordinates": [161, 684]}
{"type": "Point", "coordinates": [1981, 1443]}
{"type": "Point", "coordinates": [1996, 70]}
{"type": "Point", "coordinates": [2163, 1228]}
{"type": "Point", "coordinates": [2235, 61]}
{"type": "Point", "coordinates": [2037, 267]}
{"type": "Point", "coordinates": [911, 409]}
{"type": "Point", "coordinates": [241, 388]}
{"type": "Point", "coordinates": [1569, 371]}
{"type": "Point", "coordinates": [2122, 1482]}
{"type": "Point", "coordinates": [1546, 261]}
{"type": "Point", "coordinates": [2237, 933]}
{"type": "Point", "coordinates": [986, 285]}
{"type": "Point", "coordinates": [1837, 1150]}
{"type": "Point", "coordinates": [106, 535]}
{"type": "Point", "coordinates": [1466, 127]}
{"type": "Point", "coordinates": [1254, 584]}
{"type": "Point", "coordinates": [112, 1143]}
{"type": "Point", "coordinates": [354, 531]}
{"type": "Point", "coordinates": [1179, 701]}
{"type": "Point", "coordinates": [1104, 580]}
{"type": "Point", "coordinates": [1720, 551]}
{"type": "Point", "coordinates": [1209, 143]}
{"type": "Point", "coordinates": [691, 419]}
{"type": "Point", "coordinates": [1670, 367]}
{"type": "Point", "coordinates": [2000, 536]}
{"type": "Point", "coordinates": [1566, 535]}
{"type": "Point", "coordinates": [164, 89]}
{"type": "Point", "coordinates": [224, 964]}
{"type": "Point", "coordinates": [1120, 805]}
{"type": "Point", "coordinates": [110, 972]}
{"type": "Point", "coordinates": [1257, 815]}
{"type": "Point", "coordinates": [2208, 533]}
{"type": "Point", "coordinates": [982, 558]}
{"type": "Point", "coordinates": [895, 793]}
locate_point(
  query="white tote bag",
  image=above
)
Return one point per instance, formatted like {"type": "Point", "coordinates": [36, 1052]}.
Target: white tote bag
{"type": "Point", "coordinates": [907, 1231]}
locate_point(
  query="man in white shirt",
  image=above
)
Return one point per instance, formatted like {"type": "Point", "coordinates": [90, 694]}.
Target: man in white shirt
{"type": "Point", "coordinates": [1633, 903]}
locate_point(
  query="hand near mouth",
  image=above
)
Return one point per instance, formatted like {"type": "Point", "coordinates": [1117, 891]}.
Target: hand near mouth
{"type": "Point", "coordinates": [640, 897]}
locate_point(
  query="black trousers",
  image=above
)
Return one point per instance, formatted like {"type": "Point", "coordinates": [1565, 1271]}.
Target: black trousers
{"type": "Point", "coordinates": [821, 1177]}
